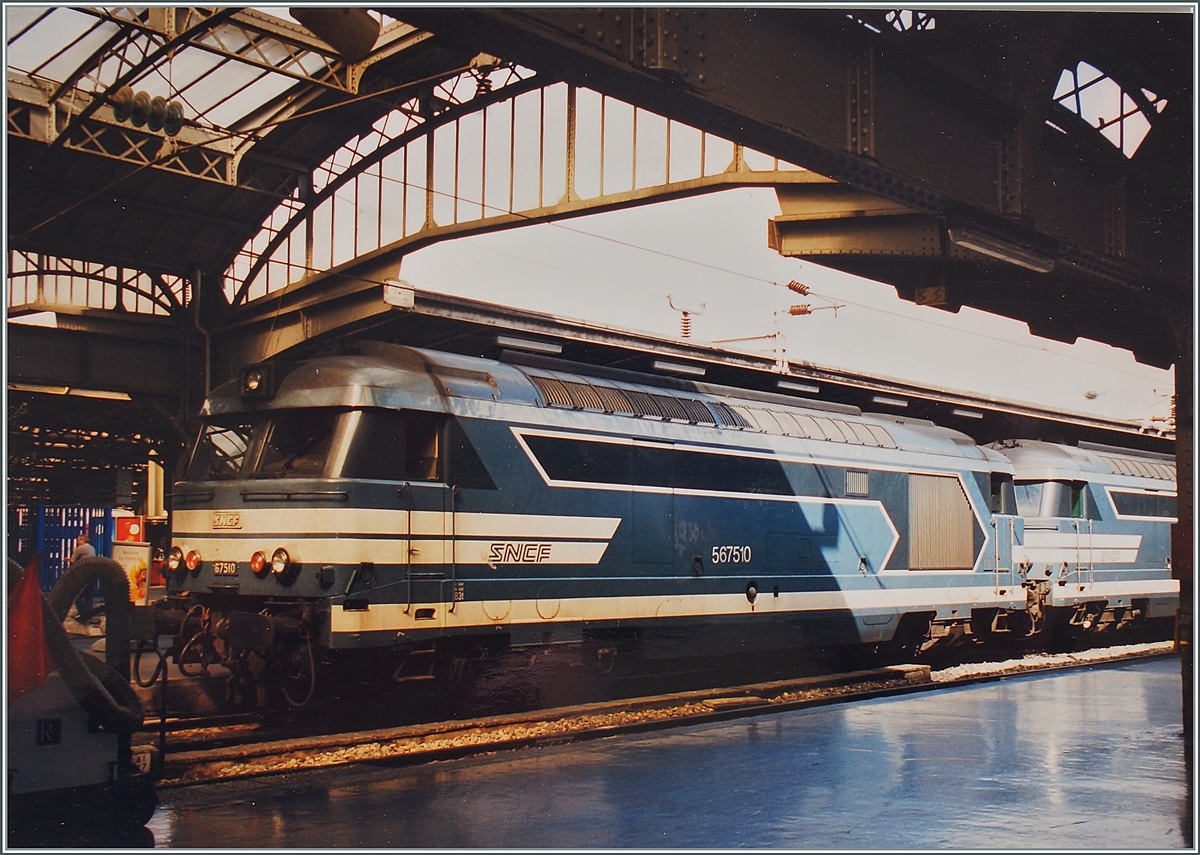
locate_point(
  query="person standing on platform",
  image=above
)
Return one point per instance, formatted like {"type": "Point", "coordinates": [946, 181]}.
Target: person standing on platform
{"type": "Point", "coordinates": [83, 602]}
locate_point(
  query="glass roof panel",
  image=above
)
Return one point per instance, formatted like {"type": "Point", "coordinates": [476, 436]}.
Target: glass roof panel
{"type": "Point", "coordinates": [1087, 73]}
{"type": "Point", "coordinates": [214, 90]}
{"type": "Point", "coordinates": [56, 32]}
{"type": "Point", "coordinates": [64, 65]}
{"type": "Point", "coordinates": [17, 18]}
{"type": "Point", "coordinates": [1066, 84]}
{"type": "Point", "coordinates": [225, 38]}
{"type": "Point", "coordinates": [188, 66]}
{"type": "Point", "coordinates": [211, 81]}
{"type": "Point", "coordinates": [257, 93]}
{"type": "Point", "coordinates": [200, 94]}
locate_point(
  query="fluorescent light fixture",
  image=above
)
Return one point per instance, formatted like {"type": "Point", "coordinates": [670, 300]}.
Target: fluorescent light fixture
{"type": "Point", "coordinates": [100, 393]}
{"type": "Point", "coordinates": [67, 390]}
{"type": "Point", "coordinates": [677, 368]}
{"type": "Point", "coordinates": [966, 414]}
{"type": "Point", "coordinates": [33, 387]}
{"type": "Point", "coordinates": [35, 319]}
{"type": "Point", "coordinates": [528, 344]}
{"type": "Point", "coordinates": [799, 387]}
{"type": "Point", "coordinates": [891, 402]}
{"type": "Point", "coordinates": [1001, 249]}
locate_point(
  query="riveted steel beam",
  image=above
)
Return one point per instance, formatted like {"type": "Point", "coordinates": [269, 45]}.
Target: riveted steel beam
{"type": "Point", "coordinates": [136, 355]}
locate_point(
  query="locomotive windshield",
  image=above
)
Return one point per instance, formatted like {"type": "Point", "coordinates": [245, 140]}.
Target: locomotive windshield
{"type": "Point", "coordinates": [296, 444]}
{"type": "Point", "coordinates": [387, 445]}
{"type": "Point", "coordinates": [1055, 499]}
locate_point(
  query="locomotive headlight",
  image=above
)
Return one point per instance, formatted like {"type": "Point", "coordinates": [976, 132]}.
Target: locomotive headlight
{"type": "Point", "coordinates": [174, 559]}
{"type": "Point", "coordinates": [253, 380]}
{"type": "Point", "coordinates": [258, 563]}
{"type": "Point", "coordinates": [192, 561]}
{"type": "Point", "coordinates": [280, 560]}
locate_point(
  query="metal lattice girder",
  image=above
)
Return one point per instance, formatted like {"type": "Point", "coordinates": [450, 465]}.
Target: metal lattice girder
{"type": "Point", "coordinates": [461, 188]}
{"type": "Point", "coordinates": [40, 283]}
{"type": "Point", "coordinates": [264, 102]}
{"type": "Point", "coordinates": [82, 119]}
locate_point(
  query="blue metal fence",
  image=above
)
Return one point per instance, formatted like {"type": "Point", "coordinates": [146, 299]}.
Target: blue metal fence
{"type": "Point", "coordinates": [51, 530]}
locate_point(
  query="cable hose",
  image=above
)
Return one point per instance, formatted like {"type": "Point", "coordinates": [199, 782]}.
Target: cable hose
{"type": "Point", "coordinates": [312, 679]}
{"type": "Point", "coordinates": [137, 666]}
{"type": "Point", "coordinates": [103, 693]}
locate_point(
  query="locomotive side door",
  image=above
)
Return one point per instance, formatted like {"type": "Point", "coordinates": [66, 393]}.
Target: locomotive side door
{"type": "Point", "coordinates": [1002, 553]}
{"type": "Point", "coordinates": [653, 510]}
{"type": "Point", "coordinates": [428, 560]}
{"type": "Point", "coordinates": [428, 503]}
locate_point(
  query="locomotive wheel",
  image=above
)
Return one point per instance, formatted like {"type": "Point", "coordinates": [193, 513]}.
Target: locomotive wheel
{"type": "Point", "coordinates": [298, 676]}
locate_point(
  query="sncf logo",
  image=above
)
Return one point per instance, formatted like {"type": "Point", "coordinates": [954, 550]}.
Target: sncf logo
{"type": "Point", "coordinates": [519, 553]}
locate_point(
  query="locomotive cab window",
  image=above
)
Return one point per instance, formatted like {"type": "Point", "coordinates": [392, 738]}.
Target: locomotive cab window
{"type": "Point", "coordinates": [220, 451]}
{"type": "Point", "coordinates": [423, 451]}
{"type": "Point", "coordinates": [323, 442]}
{"type": "Point", "coordinates": [1002, 497]}
{"type": "Point", "coordinates": [296, 444]}
{"type": "Point", "coordinates": [1070, 499]}
{"type": "Point", "coordinates": [392, 445]}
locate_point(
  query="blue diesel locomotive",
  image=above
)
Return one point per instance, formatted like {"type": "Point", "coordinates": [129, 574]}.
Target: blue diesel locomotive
{"type": "Point", "coordinates": [430, 503]}
{"type": "Point", "coordinates": [1096, 551]}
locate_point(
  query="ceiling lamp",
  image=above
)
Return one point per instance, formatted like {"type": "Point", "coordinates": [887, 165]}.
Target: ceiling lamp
{"type": "Point", "coordinates": [998, 248]}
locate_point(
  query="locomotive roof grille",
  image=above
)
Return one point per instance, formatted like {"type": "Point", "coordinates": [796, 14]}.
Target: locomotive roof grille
{"type": "Point", "coordinates": [614, 400]}
{"type": "Point", "coordinates": [671, 408]}
{"type": "Point", "coordinates": [582, 395]}
{"type": "Point", "coordinates": [727, 417]}
{"type": "Point", "coordinates": [697, 412]}
{"type": "Point", "coordinates": [553, 391]}
{"type": "Point", "coordinates": [1139, 468]}
{"type": "Point", "coordinates": [643, 404]}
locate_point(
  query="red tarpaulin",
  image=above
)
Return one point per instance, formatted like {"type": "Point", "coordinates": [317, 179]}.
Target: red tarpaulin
{"type": "Point", "coordinates": [29, 659]}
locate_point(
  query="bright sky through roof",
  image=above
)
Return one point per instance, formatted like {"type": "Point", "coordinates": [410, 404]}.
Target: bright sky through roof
{"type": "Point", "coordinates": [618, 268]}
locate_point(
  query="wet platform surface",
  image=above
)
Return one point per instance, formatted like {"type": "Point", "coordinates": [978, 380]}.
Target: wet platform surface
{"type": "Point", "coordinates": [1087, 759]}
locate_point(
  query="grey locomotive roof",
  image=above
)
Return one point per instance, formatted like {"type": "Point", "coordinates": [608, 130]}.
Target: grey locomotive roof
{"type": "Point", "coordinates": [398, 377]}
{"type": "Point", "coordinates": [1034, 459]}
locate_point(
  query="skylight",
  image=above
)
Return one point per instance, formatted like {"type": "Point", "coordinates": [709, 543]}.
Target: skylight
{"type": "Point", "coordinates": [1123, 119]}
{"type": "Point", "coordinates": [907, 20]}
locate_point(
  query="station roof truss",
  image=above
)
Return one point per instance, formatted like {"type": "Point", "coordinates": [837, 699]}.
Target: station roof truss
{"type": "Point", "coordinates": [241, 181]}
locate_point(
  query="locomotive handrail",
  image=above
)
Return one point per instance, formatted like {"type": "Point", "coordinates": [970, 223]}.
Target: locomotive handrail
{"type": "Point", "coordinates": [453, 543]}
{"type": "Point", "coordinates": [294, 495]}
{"type": "Point", "coordinates": [406, 489]}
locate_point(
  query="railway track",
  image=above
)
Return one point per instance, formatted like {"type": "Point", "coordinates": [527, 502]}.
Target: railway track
{"type": "Point", "coordinates": [207, 751]}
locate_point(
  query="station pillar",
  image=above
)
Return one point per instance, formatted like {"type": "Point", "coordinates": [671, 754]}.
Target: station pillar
{"type": "Point", "coordinates": [1182, 537]}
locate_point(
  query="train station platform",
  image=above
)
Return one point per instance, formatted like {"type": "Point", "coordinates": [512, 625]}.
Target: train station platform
{"type": "Point", "coordinates": [1083, 759]}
